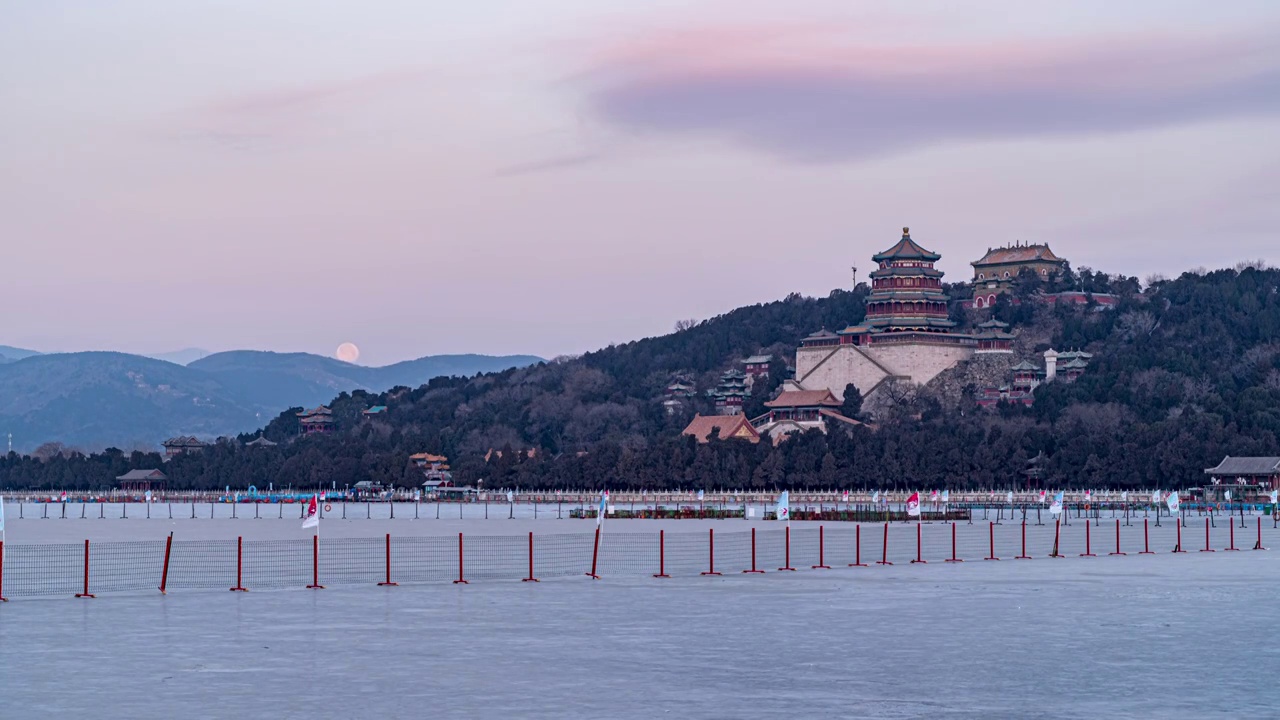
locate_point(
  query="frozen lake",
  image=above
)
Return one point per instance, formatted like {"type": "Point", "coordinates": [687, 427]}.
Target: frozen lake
{"type": "Point", "coordinates": [1171, 636]}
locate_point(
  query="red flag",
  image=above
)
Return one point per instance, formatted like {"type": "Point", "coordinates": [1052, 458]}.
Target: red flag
{"type": "Point", "coordinates": [313, 517]}
{"type": "Point", "coordinates": [913, 505]}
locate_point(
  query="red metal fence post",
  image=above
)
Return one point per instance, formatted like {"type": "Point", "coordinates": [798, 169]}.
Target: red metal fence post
{"type": "Point", "coordinates": [822, 561]}
{"type": "Point", "coordinates": [461, 580]}
{"type": "Point", "coordinates": [857, 547]}
{"type": "Point", "coordinates": [1206, 537]}
{"type": "Point", "coordinates": [788, 551]}
{"type": "Point", "coordinates": [1117, 552]}
{"type": "Point", "coordinates": [388, 582]}
{"type": "Point", "coordinates": [1256, 546]}
{"type": "Point", "coordinates": [595, 555]}
{"type": "Point", "coordinates": [531, 578]}
{"type": "Point", "coordinates": [711, 552]}
{"type": "Point", "coordinates": [1024, 555]}
{"type": "Point", "coordinates": [991, 542]}
{"type": "Point", "coordinates": [884, 548]}
{"type": "Point", "coordinates": [1232, 547]}
{"type": "Point", "coordinates": [1146, 538]}
{"type": "Point", "coordinates": [315, 564]}
{"type": "Point", "coordinates": [239, 565]}
{"type": "Point", "coordinates": [1057, 535]}
{"type": "Point", "coordinates": [662, 554]}
{"type": "Point", "coordinates": [753, 554]}
{"type": "Point", "coordinates": [919, 542]}
{"type": "Point", "coordinates": [5, 599]}
{"type": "Point", "coordinates": [1178, 548]}
{"type": "Point", "coordinates": [953, 544]}
{"type": "Point", "coordinates": [86, 593]}
{"type": "Point", "coordinates": [164, 574]}
{"type": "Point", "coordinates": [1088, 544]}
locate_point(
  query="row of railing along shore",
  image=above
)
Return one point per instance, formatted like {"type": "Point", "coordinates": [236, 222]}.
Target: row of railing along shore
{"type": "Point", "coordinates": [977, 498]}
{"type": "Point", "coordinates": [166, 564]}
{"type": "Point", "coordinates": [799, 511]}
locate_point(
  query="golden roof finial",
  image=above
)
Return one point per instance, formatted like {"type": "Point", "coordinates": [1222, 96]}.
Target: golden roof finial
{"type": "Point", "coordinates": [906, 232]}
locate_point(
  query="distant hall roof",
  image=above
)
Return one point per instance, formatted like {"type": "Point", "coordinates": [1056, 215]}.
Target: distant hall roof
{"type": "Point", "coordinates": [1018, 254]}
{"type": "Point", "coordinates": [804, 398]}
{"type": "Point", "coordinates": [142, 475]}
{"type": "Point", "coordinates": [1246, 466]}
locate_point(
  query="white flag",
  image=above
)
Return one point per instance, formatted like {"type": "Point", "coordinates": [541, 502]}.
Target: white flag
{"type": "Point", "coordinates": [1172, 501]}
{"type": "Point", "coordinates": [1010, 497]}
{"type": "Point", "coordinates": [875, 497]}
{"type": "Point", "coordinates": [913, 505]}
{"type": "Point", "coordinates": [1275, 496]}
{"type": "Point", "coordinates": [511, 497]}
{"type": "Point", "coordinates": [604, 507]}
{"type": "Point", "coordinates": [784, 506]}
{"type": "Point", "coordinates": [1155, 496]}
{"type": "Point", "coordinates": [313, 515]}
{"type": "Point", "coordinates": [701, 495]}
{"type": "Point", "coordinates": [1056, 507]}
{"type": "Point", "coordinates": [946, 496]}
{"type": "Point", "coordinates": [1228, 495]}
{"type": "Point", "coordinates": [148, 497]}
{"type": "Point", "coordinates": [1124, 496]}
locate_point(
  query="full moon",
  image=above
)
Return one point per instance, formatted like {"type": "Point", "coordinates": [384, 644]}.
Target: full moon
{"type": "Point", "coordinates": [347, 352]}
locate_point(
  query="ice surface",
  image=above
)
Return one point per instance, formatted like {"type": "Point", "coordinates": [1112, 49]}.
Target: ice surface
{"type": "Point", "coordinates": [1171, 636]}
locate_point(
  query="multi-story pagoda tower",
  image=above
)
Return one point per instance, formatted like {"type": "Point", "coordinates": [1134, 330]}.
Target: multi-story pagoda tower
{"type": "Point", "coordinates": [905, 336]}
{"type": "Point", "coordinates": [906, 290]}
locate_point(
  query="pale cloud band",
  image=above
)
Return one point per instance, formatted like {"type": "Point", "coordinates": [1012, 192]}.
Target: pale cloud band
{"type": "Point", "coordinates": [818, 93]}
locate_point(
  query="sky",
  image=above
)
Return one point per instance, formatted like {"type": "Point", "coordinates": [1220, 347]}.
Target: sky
{"type": "Point", "coordinates": [502, 176]}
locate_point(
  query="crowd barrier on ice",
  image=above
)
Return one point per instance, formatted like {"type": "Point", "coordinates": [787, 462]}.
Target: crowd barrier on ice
{"type": "Point", "coordinates": [88, 569]}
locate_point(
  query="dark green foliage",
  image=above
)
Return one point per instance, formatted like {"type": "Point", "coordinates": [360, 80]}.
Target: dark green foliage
{"type": "Point", "coordinates": [1181, 375]}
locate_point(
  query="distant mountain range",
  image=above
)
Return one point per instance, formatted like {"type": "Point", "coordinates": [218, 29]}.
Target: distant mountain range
{"type": "Point", "coordinates": [181, 357]}
{"type": "Point", "coordinates": [99, 399]}
{"type": "Point", "coordinates": [9, 354]}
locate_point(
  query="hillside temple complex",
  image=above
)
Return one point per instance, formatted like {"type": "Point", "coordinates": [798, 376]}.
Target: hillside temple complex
{"type": "Point", "coordinates": [906, 334]}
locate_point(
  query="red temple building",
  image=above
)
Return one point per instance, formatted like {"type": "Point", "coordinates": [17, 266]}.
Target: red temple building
{"type": "Point", "coordinates": [731, 393]}
{"type": "Point", "coordinates": [181, 445]}
{"type": "Point", "coordinates": [757, 366]}
{"type": "Point", "coordinates": [316, 420]}
{"type": "Point", "coordinates": [993, 337]}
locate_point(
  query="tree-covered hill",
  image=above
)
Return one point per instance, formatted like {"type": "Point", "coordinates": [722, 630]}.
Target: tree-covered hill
{"type": "Point", "coordinates": [1182, 374]}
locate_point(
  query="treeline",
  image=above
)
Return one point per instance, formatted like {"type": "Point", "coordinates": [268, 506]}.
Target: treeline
{"type": "Point", "coordinates": [1183, 373]}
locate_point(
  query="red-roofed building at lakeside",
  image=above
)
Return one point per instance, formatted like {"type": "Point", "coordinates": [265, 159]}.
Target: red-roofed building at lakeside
{"type": "Point", "coordinates": [996, 271]}
{"type": "Point", "coordinates": [142, 480]}
{"type": "Point", "coordinates": [729, 426]}
{"type": "Point", "coordinates": [316, 420]}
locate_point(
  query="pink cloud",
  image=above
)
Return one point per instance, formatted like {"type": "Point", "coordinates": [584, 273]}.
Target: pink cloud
{"type": "Point", "coordinates": [820, 92]}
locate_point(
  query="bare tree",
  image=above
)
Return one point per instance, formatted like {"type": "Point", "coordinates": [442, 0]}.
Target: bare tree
{"type": "Point", "coordinates": [1258, 264]}
{"type": "Point", "coordinates": [682, 325]}
{"type": "Point", "coordinates": [48, 451]}
{"type": "Point", "coordinates": [1136, 324]}
{"type": "Point", "coordinates": [1273, 380]}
